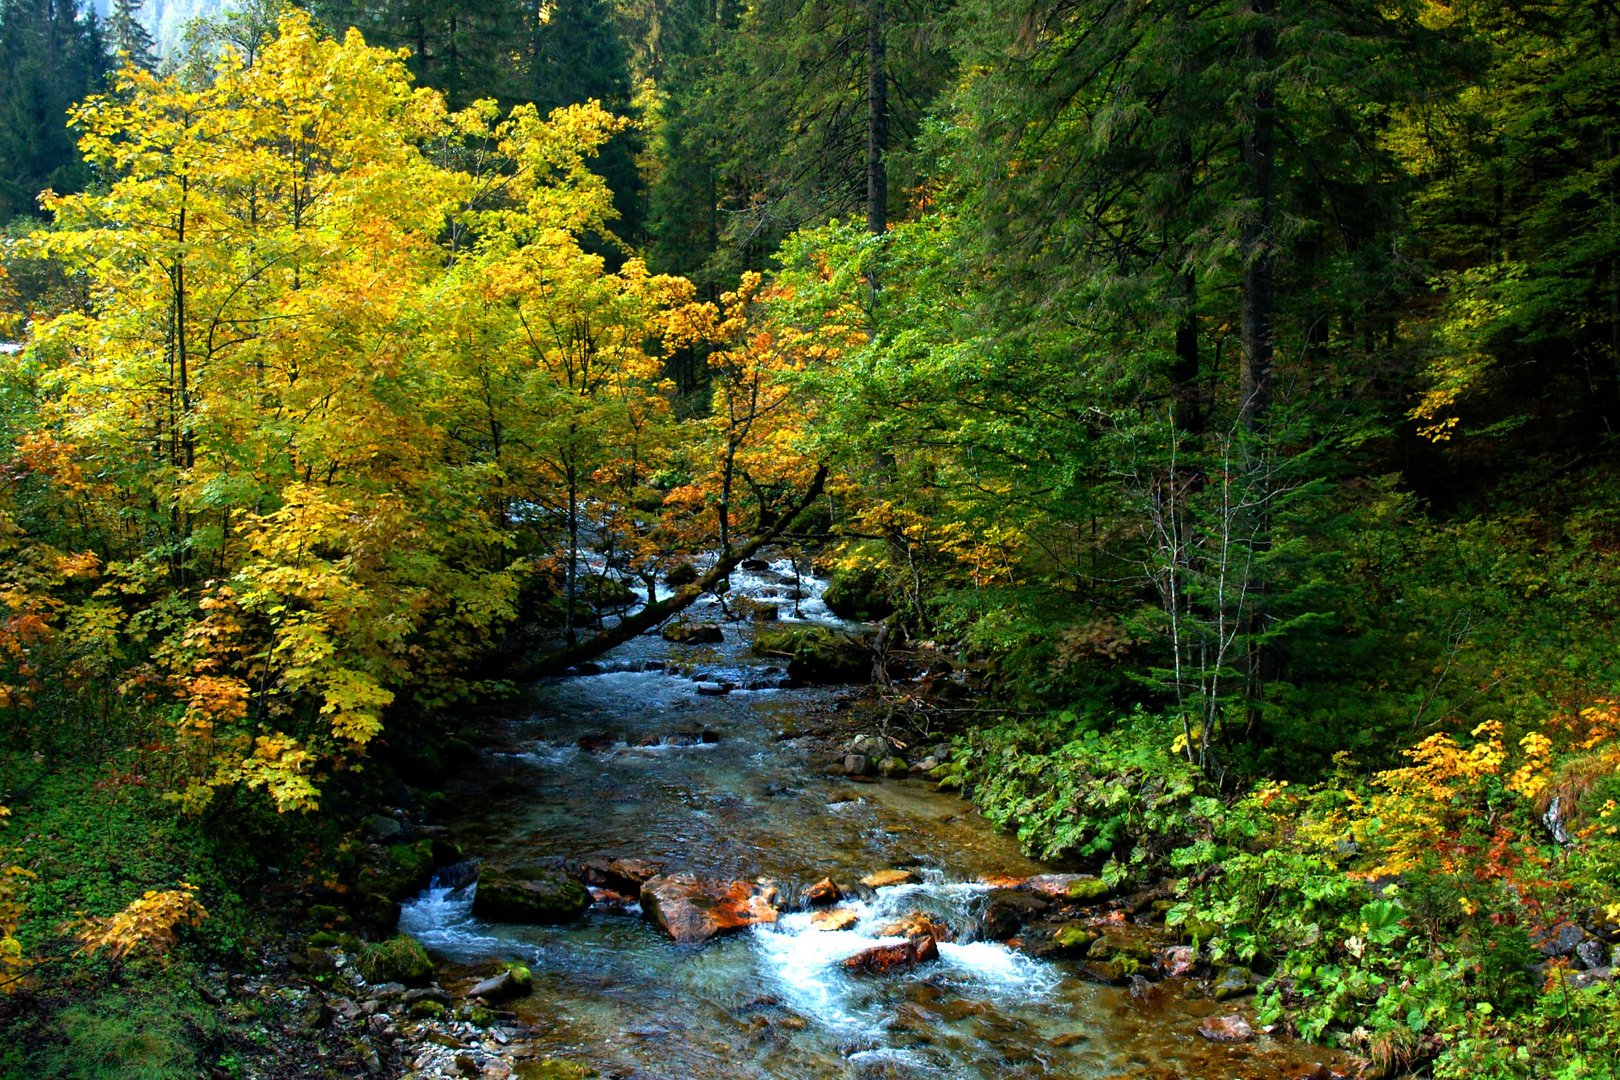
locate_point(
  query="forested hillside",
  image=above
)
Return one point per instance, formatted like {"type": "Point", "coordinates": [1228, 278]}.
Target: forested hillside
{"type": "Point", "coordinates": [1229, 391]}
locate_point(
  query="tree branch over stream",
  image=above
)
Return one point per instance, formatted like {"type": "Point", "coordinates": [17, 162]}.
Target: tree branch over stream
{"type": "Point", "coordinates": [632, 626]}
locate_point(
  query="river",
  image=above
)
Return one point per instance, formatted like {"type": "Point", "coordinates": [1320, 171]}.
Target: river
{"type": "Point", "coordinates": [722, 784]}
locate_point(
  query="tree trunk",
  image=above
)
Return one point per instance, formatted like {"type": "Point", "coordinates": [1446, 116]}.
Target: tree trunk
{"type": "Point", "coordinates": [877, 121]}
{"type": "Point", "coordinates": [1258, 315]}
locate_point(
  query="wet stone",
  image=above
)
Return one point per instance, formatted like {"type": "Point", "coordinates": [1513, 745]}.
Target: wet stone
{"type": "Point", "coordinates": [1226, 1029]}
{"type": "Point", "coordinates": [882, 879]}
{"type": "Point", "coordinates": [1234, 982]}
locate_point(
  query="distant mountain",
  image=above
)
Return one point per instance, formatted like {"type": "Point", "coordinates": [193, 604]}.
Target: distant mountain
{"type": "Point", "coordinates": [167, 19]}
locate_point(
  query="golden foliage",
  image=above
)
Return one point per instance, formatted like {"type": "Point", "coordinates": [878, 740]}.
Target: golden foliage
{"type": "Point", "coordinates": [148, 925]}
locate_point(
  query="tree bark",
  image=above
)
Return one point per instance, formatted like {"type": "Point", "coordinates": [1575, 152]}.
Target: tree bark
{"type": "Point", "coordinates": [632, 626]}
{"type": "Point", "coordinates": [877, 121]}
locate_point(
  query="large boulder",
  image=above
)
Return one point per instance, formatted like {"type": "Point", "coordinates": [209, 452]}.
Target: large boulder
{"type": "Point", "coordinates": [529, 895]}
{"type": "Point", "coordinates": [816, 654]}
{"type": "Point", "coordinates": [859, 592]}
{"type": "Point", "coordinates": [690, 908]}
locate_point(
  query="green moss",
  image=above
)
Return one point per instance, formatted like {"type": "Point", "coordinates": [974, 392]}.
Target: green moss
{"type": "Point", "coordinates": [554, 1069]}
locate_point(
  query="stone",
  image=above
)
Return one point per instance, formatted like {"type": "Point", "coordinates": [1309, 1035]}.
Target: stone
{"type": "Point", "coordinates": [1234, 982]}
{"type": "Point", "coordinates": [882, 879]}
{"type": "Point", "coordinates": [1592, 954]}
{"type": "Point", "coordinates": [754, 610]}
{"type": "Point", "coordinates": [1178, 961]}
{"type": "Point", "coordinates": [426, 993]}
{"type": "Point", "coordinates": [691, 909]}
{"type": "Point", "coordinates": [426, 1010]}
{"type": "Point", "coordinates": [712, 689]}
{"type": "Point", "coordinates": [514, 982]}
{"type": "Point", "coordinates": [622, 876]}
{"type": "Point", "coordinates": [822, 893]}
{"type": "Point", "coordinates": [383, 827]}
{"type": "Point", "coordinates": [1226, 1029]}
{"type": "Point", "coordinates": [888, 959]}
{"type": "Point", "coordinates": [1006, 910]}
{"type": "Point", "coordinates": [682, 573]}
{"type": "Point", "coordinates": [393, 963]}
{"type": "Point", "coordinates": [497, 1069]}
{"type": "Point", "coordinates": [1087, 890]}
{"type": "Point", "coordinates": [1561, 942]}
{"type": "Point", "coordinates": [873, 746]}
{"type": "Point", "coordinates": [693, 633]}
{"type": "Point", "coordinates": [917, 924]}
{"type": "Point", "coordinates": [1116, 942]}
{"type": "Point", "coordinates": [467, 1065]}
{"type": "Point", "coordinates": [1580, 980]}
{"type": "Point", "coordinates": [816, 655]}
{"type": "Point", "coordinates": [893, 767]}
{"type": "Point", "coordinates": [834, 919]}
{"type": "Point", "coordinates": [857, 764]}
{"type": "Point", "coordinates": [529, 895]}
{"type": "Point", "coordinates": [1073, 939]}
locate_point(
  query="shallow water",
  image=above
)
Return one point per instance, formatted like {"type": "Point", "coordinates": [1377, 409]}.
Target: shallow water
{"type": "Point", "coordinates": [774, 1001]}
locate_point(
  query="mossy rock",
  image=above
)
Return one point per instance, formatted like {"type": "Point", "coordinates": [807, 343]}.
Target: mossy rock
{"type": "Point", "coordinates": [859, 592]}
{"type": "Point", "coordinates": [1234, 982]}
{"type": "Point", "coordinates": [1088, 890]}
{"type": "Point", "coordinates": [400, 959]}
{"type": "Point", "coordinates": [529, 895]}
{"type": "Point", "coordinates": [815, 654]}
{"type": "Point", "coordinates": [1117, 947]}
{"type": "Point", "coordinates": [427, 1010]}
{"type": "Point", "coordinates": [894, 767]}
{"type": "Point", "coordinates": [1074, 938]}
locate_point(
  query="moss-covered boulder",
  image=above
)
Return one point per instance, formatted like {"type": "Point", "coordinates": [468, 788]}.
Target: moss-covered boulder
{"type": "Point", "coordinates": [858, 592]}
{"type": "Point", "coordinates": [400, 959]}
{"type": "Point", "coordinates": [815, 654]}
{"type": "Point", "coordinates": [529, 895]}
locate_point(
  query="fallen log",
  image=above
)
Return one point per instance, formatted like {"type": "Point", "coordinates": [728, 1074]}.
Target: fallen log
{"type": "Point", "coordinates": [555, 663]}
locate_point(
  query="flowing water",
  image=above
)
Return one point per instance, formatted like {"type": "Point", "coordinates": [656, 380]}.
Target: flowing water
{"type": "Point", "coordinates": [720, 784]}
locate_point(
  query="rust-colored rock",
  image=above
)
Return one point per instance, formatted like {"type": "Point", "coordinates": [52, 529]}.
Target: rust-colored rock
{"type": "Point", "coordinates": [834, 919]}
{"type": "Point", "coordinates": [918, 924]}
{"type": "Point", "coordinates": [690, 908]}
{"type": "Point", "coordinates": [822, 893]}
{"type": "Point", "coordinates": [1226, 1029]}
{"type": "Point", "coordinates": [888, 959]}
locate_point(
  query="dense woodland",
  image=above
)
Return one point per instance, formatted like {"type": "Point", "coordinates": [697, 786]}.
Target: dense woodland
{"type": "Point", "coordinates": [1233, 387]}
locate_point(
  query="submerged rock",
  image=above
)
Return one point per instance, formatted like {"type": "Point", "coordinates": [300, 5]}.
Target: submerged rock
{"type": "Point", "coordinates": [690, 908]}
{"type": "Point", "coordinates": [529, 895]}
